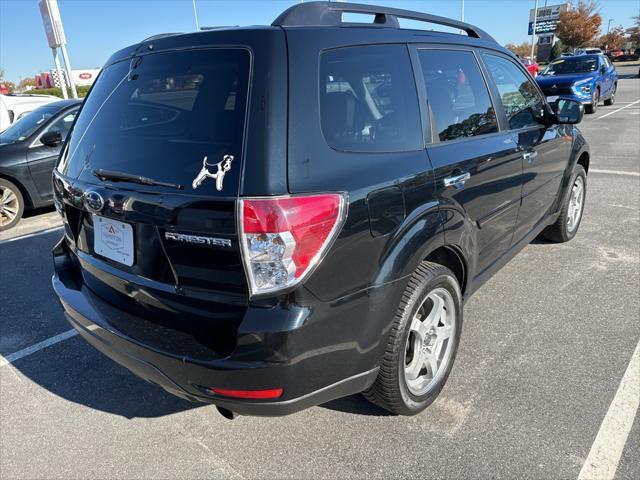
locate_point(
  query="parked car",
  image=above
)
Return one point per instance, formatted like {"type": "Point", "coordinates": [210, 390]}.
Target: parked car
{"type": "Point", "coordinates": [29, 149]}
{"type": "Point", "coordinates": [587, 79]}
{"type": "Point", "coordinates": [268, 218]}
{"type": "Point", "coordinates": [615, 55]}
{"type": "Point", "coordinates": [15, 106]}
{"type": "Point", "coordinates": [588, 51]}
{"type": "Point", "coordinates": [531, 65]}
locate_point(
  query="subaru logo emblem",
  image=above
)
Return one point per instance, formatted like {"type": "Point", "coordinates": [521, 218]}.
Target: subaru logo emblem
{"type": "Point", "coordinates": [93, 201]}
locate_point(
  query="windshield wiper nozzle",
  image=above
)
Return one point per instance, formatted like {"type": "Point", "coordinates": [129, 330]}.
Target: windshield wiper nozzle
{"type": "Point", "coordinates": [129, 177]}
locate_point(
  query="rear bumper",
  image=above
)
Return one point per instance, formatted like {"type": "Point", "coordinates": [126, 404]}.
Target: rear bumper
{"type": "Point", "coordinates": [309, 376]}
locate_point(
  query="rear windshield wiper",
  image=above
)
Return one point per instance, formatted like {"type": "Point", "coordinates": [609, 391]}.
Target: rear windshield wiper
{"type": "Point", "coordinates": [129, 177]}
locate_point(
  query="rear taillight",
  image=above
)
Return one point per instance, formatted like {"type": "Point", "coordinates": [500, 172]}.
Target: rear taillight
{"type": "Point", "coordinates": [284, 238]}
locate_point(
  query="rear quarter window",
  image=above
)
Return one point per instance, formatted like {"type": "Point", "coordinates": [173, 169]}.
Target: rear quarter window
{"type": "Point", "coordinates": [368, 99]}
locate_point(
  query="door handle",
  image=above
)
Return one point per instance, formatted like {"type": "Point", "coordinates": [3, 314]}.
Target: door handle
{"type": "Point", "coordinates": [529, 156]}
{"type": "Point", "coordinates": [457, 181]}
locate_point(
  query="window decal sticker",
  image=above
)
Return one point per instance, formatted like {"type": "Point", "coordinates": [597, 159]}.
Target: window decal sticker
{"type": "Point", "coordinates": [222, 167]}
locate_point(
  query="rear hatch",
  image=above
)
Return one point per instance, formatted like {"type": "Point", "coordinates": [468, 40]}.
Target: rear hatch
{"type": "Point", "coordinates": [162, 247]}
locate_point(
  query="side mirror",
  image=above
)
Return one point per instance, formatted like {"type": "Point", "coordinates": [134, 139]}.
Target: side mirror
{"type": "Point", "coordinates": [52, 138]}
{"type": "Point", "coordinates": [603, 69]}
{"type": "Point", "coordinates": [568, 111]}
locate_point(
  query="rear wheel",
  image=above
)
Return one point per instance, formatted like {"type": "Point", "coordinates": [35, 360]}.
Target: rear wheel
{"type": "Point", "coordinates": [11, 205]}
{"type": "Point", "coordinates": [423, 342]}
{"type": "Point", "coordinates": [570, 217]}
{"type": "Point", "coordinates": [612, 99]}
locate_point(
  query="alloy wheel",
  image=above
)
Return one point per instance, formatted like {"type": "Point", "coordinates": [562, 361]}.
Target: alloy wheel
{"type": "Point", "coordinates": [430, 343]}
{"type": "Point", "coordinates": [9, 205]}
{"type": "Point", "coordinates": [576, 203]}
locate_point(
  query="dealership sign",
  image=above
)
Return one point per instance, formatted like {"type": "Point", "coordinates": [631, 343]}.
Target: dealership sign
{"type": "Point", "coordinates": [52, 23]}
{"type": "Point", "coordinates": [85, 77]}
{"type": "Point", "coordinates": [547, 18]}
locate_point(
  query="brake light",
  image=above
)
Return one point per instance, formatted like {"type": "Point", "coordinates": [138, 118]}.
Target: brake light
{"type": "Point", "coordinates": [284, 238]}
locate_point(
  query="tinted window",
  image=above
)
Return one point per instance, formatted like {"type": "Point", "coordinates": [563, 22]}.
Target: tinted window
{"type": "Point", "coordinates": [572, 65]}
{"type": "Point", "coordinates": [27, 125]}
{"type": "Point", "coordinates": [368, 100]}
{"type": "Point", "coordinates": [520, 99]}
{"type": "Point", "coordinates": [161, 114]}
{"type": "Point", "coordinates": [457, 94]}
{"type": "Point", "coordinates": [63, 124]}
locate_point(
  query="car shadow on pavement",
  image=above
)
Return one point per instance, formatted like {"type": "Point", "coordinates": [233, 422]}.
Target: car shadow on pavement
{"type": "Point", "coordinates": [357, 405]}
{"type": "Point", "coordinates": [74, 371]}
{"type": "Point", "coordinates": [38, 211]}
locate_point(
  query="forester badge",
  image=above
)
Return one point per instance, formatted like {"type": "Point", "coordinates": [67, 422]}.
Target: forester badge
{"type": "Point", "coordinates": [222, 167]}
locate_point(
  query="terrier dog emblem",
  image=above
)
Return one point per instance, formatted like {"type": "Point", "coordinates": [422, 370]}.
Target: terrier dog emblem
{"type": "Point", "coordinates": [221, 168]}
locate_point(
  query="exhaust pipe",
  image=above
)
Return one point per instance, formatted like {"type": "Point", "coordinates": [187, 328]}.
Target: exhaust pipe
{"type": "Point", "coordinates": [226, 413]}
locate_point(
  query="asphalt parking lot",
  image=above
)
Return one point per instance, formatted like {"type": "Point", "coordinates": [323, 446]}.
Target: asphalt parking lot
{"type": "Point", "coordinates": [533, 393]}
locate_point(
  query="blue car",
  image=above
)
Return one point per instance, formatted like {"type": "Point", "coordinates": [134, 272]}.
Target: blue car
{"type": "Point", "coordinates": [587, 79]}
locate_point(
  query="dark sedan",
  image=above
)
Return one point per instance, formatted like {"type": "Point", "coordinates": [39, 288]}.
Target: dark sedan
{"type": "Point", "coordinates": [28, 151]}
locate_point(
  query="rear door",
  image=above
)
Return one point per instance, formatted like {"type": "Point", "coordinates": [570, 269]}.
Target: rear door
{"type": "Point", "coordinates": [478, 169]}
{"type": "Point", "coordinates": [610, 75]}
{"type": "Point", "coordinates": [544, 150]}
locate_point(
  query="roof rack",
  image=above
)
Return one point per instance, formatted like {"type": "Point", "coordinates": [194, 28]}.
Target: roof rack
{"type": "Point", "coordinates": [161, 35]}
{"type": "Point", "coordinates": [330, 14]}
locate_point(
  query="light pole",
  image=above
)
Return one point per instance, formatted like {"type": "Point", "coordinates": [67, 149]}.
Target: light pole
{"type": "Point", "coordinates": [533, 33]}
{"type": "Point", "coordinates": [195, 16]}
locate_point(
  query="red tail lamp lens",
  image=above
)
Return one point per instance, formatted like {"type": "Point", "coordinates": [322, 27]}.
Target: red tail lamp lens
{"type": "Point", "coordinates": [248, 394]}
{"type": "Point", "coordinates": [283, 237]}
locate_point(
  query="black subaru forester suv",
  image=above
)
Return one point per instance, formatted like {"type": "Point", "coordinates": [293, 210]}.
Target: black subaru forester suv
{"type": "Point", "coordinates": [269, 218]}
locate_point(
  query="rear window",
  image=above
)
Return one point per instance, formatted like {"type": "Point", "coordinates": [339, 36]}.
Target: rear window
{"type": "Point", "coordinates": [167, 116]}
{"type": "Point", "coordinates": [368, 99]}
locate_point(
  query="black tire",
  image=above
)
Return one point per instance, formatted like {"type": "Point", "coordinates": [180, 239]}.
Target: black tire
{"type": "Point", "coordinates": [11, 205]}
{"type": "Point", "coordinates": [390, 390]}
{"type": "Point", "coordinates": [560, 232]}
{"type": "Point", "coordinates": [612, 98]}
{"type": "Point", "coordinates": [593, 106]}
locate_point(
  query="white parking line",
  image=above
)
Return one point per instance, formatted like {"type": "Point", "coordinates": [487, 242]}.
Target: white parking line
{"type": "Point", "coordinates": [615, 111]}
{"type": "Point", "coordinates": [605, 453]}
{"type": "Point", "coordinates": [37, 347]}
{"type": "Point", "coordinates": [615, 172]}
{"type": "Point", "coordinates": [29, 235]}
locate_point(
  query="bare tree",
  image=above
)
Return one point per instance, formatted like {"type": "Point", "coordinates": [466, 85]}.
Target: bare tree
{"type": "Point", "coordinates": [580, 25]}
{"type": "Point", "coordinates": [634, 32]}
{"type": "Point", "coordinates": [613, 40]}
{"type": "Point", "coordinates": [523, 50]}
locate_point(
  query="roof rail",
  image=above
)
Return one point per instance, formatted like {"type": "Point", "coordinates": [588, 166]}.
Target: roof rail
{"type": "Point", "coordinates": [330, 14]}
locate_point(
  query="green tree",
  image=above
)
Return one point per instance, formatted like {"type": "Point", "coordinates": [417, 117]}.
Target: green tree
{"type": "Point", "coordinates": [580, 25]}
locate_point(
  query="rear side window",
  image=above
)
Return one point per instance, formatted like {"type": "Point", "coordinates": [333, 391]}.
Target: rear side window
{"type": "Point", "coordinates": [520, 99]}
{"type": "Point", "coordinates": [168, 116]}
{"type": "Point", "coordinates": [457, 94]}
{"type": "Point", "coordinates": [368, 99]}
